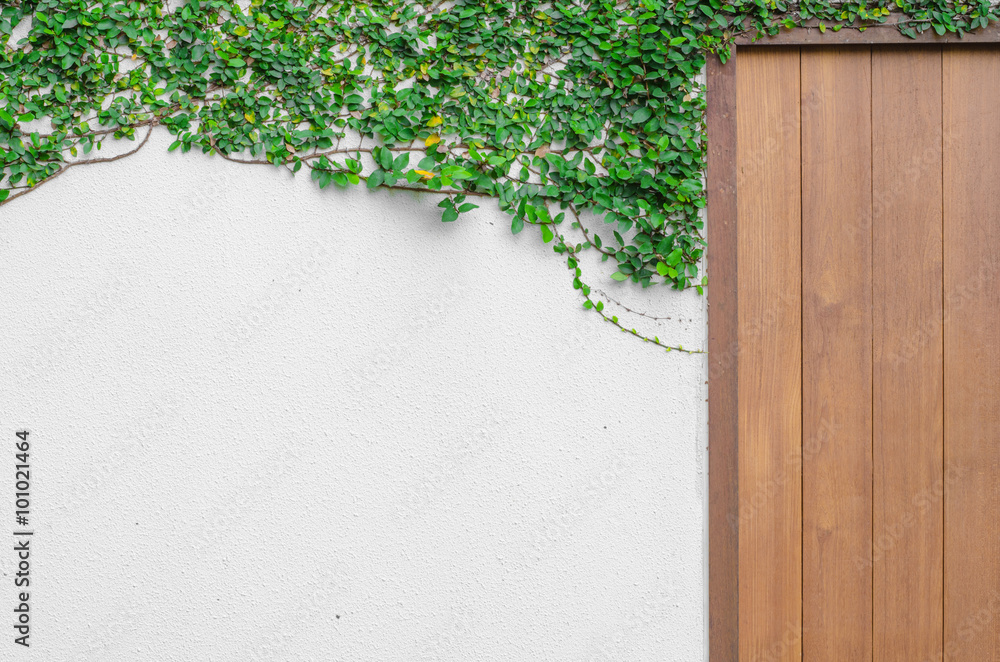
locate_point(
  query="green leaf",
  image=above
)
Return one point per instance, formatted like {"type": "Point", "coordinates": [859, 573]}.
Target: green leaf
{"type": "Point", "coordinates": [376, 178]}
{"type": "Point", "coordinates": [619, 276]}
{"type": "Point", "coordinates": [385, 158]}
{"type": "Point", "coordinates": [640, 116]}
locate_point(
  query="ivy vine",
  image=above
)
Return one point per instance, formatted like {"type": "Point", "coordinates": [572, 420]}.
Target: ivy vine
{"type": "Point", "coordinates": [580, 115]}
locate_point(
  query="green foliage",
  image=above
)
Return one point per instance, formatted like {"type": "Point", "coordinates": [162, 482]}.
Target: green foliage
{"type": "Point", "coordinates": [579, 113]}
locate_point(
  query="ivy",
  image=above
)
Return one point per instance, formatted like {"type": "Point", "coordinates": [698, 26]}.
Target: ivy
{"type": "Point", "coordinates": [580, 115]}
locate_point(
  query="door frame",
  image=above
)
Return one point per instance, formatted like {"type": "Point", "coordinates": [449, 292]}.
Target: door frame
{"type": "Point", "coordinates": [723, 310]}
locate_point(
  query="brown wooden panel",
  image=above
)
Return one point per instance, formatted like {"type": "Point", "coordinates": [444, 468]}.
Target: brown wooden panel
{"type": "Point", "coordinates": [769, 357]}
{"type": "Point", "coordinates": [972, 355]}
{"type": "Point", "coordinates": [836, 354]}
{"type": "Point", "coordinates": [908, 364]}
{"type": "Point", "coordinates": [723, 421]}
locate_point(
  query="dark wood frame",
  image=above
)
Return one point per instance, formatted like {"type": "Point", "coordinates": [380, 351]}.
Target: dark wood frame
{"type": "Point", "coordinates": [723, 311]}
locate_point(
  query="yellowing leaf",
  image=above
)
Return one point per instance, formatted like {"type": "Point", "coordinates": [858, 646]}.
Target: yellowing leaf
{"type": "Point", "coordinates": [425, 174]}
{"type": "Point", "coordinates": [432, 139]}
{"type": "Point", "coordinates": [435, 121]}
{"type": "Point", "coordinates": [249, 117]}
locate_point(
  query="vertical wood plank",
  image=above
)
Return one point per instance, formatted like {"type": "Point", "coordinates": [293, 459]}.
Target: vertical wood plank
{"type": "Point", "coordinates": [972, 354]}
{"type": "Point", "coordinates": [723, 348]}
{"type": "Point", "coordinates": [908, 416]}
{"type": "Point", "coordinates": [836, 354]}
{"type": "Point", "coordinates": [769, 357]}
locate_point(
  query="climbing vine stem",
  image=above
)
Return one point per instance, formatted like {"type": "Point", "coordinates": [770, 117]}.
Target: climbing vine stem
{"type": "Point", "coordinates": [592, 107]}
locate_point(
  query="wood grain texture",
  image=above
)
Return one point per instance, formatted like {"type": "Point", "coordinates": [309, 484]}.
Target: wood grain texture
{"type": "Point", "coordinates": [908, 395]}
{"type": "Point", "coordinates": [972, 355]}
{"type": "Point", "coordinates": [723, 349]}
{"type": "Point", "coordinates": [836, 354]}
{"type": "Point", "coordinates": [769, 356]}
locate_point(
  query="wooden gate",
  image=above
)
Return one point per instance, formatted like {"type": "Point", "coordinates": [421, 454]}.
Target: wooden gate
{"type": "Point", "coordinates": [855, 354]}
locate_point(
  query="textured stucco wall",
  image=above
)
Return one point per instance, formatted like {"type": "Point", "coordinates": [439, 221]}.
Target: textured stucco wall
{"type": "Point", "coordinates": [257, 406]}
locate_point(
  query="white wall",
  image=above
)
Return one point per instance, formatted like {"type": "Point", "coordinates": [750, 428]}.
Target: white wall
{"type": "Point", "coordinates": [256, 406]}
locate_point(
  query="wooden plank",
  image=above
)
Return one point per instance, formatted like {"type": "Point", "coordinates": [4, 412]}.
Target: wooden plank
{"type": "Point", "coordinates": [887, 33]}
{"type": "Point", "coordinates": [836, 354]}
{"type": "Point", "coordinates": [972, 354]}
{"type": "Point", "coordinates": [769, 357]}
{"type": "Point", "coordinates": [723, 349]}
{"type": "Point", "coordinates": [908, 416]}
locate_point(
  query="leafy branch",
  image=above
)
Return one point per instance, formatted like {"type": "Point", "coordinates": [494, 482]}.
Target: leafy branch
{"type": "Point", "coordinates": [589, 106]}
